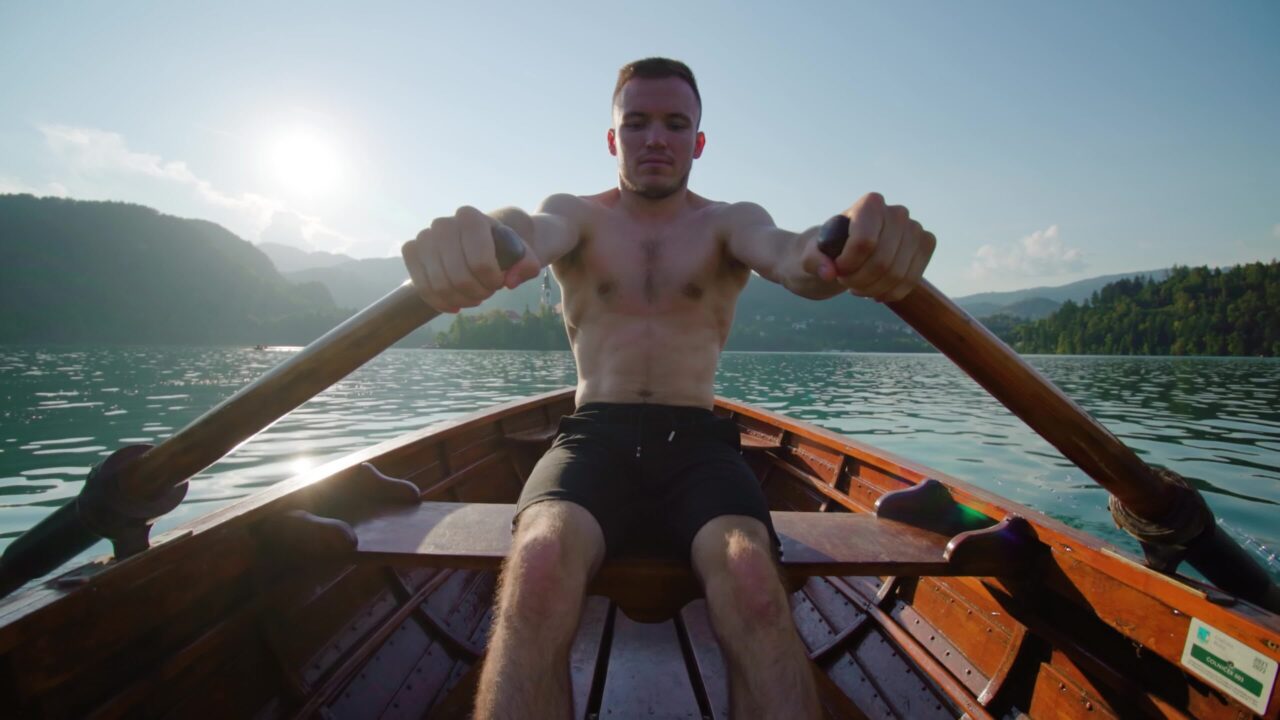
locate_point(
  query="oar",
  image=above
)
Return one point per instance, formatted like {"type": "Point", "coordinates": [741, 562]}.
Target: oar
{"type": "Point", "coordinates": [137, 484]}
{"type": "Point", "coordinates": [1148, 497]}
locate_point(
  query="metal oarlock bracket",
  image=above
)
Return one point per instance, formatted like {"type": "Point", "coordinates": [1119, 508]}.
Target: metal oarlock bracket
{"type": "Point", "coordinates": [110, 513]}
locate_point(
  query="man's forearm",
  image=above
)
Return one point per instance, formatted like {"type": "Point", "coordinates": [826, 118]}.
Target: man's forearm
{"type": "Point", "coordinates": [516, 219]}
{"type": "Point", "coordinates": [800, 281]}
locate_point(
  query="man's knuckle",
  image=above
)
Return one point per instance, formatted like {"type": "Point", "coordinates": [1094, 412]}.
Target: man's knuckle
{"type": "Point", "coordinates": [897, 213]}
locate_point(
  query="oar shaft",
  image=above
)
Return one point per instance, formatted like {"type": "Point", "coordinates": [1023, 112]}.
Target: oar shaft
{"type": "Point", "coordinates": [1034, 399]}
{"type": "Point", "coordinates": [321, 364]}
{"type": "Point", "coordinates": [291, 383]}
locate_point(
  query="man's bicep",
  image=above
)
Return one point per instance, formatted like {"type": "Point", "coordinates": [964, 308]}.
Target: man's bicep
{"type": "Point", "coordinates": [756, 242]}
{"type": "Point", "coordinates": [557, 227]}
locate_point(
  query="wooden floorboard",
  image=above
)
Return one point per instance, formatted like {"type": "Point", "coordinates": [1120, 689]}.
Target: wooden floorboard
{"type": "Point", "coordinates": [708, 660]}
{"type": "Point", "coordinates": [584, 657]}
{"type": "Point", "coordinates": [647, 676]}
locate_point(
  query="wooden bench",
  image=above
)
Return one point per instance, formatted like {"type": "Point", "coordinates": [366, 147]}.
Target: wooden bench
{"type": "Point", "coordinates": [541, 437]}
{"type": "Point", "coordinates": [478, 536]}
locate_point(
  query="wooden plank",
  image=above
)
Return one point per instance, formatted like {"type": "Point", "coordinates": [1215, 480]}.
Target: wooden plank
{"type": "Point", "coordinates": [647, 676]}
{"type": "Point", "coordinates": [584, 657]}
{"type": "Point", "coordinates": [381, 676]}
{"type": "Point", "coordinates": [900, 683]}
{"type": "Point", "coordinates": [460, 535]}
{"type": "Point", "coordinates": [814, 630]}
{"type": "Point", "coordinates": [707, 657]}
{"type": "Point", "coordinates": [478, 536]}
{"type": "Point", "coordinates": [1057, 696]}
{"type": "Point", "coordinates": [853, 682]}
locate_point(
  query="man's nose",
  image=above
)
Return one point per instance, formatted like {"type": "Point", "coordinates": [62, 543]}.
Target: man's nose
{"type": "Point", "coordinates": [656, 138]}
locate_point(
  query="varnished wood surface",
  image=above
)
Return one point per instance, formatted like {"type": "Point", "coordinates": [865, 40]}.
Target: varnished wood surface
{"type": "Point", "coordinates": [223, 620]}
{"type": "Point", "coordinates": [478, 536]}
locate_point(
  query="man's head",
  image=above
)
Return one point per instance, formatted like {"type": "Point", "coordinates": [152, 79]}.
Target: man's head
{"type": "Point", "coordinates": [656, 113]}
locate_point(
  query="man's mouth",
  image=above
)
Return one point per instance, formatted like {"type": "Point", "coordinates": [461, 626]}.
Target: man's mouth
{"type": "Point", "coordinates": [654, 161]}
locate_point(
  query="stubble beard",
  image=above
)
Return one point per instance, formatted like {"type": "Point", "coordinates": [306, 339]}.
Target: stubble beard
{"type": "Point", "coordinates": [654, 193]}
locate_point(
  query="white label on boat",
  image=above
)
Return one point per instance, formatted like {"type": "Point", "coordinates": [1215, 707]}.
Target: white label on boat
{"type": "Point", "coordinates": [1229, 665]}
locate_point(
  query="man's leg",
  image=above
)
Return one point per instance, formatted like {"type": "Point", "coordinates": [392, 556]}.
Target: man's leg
{"type": "Point", "coordinates": [558, 547]}
{"type": "Point", "coordinates": [769, 670]}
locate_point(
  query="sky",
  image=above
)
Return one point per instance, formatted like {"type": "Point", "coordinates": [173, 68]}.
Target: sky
{"type": "Point", "coordinates": [1040, 142]}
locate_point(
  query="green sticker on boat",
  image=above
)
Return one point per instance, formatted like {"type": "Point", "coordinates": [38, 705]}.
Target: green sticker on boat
{"type": "Point", "coordinates": [1229, 665]}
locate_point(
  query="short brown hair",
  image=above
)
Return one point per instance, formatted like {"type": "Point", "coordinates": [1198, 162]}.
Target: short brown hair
{"type": "Point", "coordinates": [656, 68]}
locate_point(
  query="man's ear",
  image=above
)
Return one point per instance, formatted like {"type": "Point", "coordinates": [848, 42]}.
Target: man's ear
{"type": "Point", "coordinates": [613, 145]}
{"type": "Point", "coordinates": [698, 143]}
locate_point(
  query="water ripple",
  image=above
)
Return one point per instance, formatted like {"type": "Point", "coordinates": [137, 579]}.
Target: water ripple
{"type": "Point", "coordinates": [1212, 420]}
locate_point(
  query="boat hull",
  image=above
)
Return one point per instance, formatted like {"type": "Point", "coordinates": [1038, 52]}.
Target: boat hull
{"type": "Point", "coordinates": [259, 610]}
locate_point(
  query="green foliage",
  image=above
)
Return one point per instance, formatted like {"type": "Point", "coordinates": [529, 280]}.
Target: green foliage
{"type": "Point", "coordinates": [506, 330]}
{"type": "Point", "coordinates": [73, 271]}
{"type": "Point", "coordinates": [1196, 311]}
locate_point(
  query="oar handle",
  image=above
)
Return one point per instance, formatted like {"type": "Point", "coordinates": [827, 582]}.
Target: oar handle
{"type": "Point", "coordinates": [1022, 389]}
{"type": "Point", "coordinates": [291, 383]}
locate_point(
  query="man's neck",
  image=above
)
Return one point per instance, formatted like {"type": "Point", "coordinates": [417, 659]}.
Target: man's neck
{"type": "Point", "coordinates": [652, 209]}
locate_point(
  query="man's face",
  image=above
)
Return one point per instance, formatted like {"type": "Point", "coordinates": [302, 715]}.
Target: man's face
{"type": "Point", "coordinates": [655, 135]}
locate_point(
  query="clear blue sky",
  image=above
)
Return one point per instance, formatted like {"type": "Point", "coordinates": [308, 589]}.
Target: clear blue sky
{"type": "Point", "coordinates": [1041, 142]}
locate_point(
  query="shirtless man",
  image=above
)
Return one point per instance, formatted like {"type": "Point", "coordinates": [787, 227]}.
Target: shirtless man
{"type": "Point", "coordinates": [650, 273]}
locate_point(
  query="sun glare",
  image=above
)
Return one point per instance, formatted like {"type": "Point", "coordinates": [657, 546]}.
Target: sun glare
{"type": "Point", "coordinates": [304, 162]}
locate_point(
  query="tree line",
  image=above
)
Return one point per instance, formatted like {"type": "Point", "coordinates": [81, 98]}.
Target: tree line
{"type": "Point", "coordinates": [1195, 311]}
{"type": "Point", "coordinates": [506, 330]}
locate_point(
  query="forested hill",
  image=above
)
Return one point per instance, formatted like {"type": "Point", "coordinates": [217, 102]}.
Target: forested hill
{"type": "Point", "coordinates": [1196, 311]}
{"type": "Point", "coordinates": [76, 271]}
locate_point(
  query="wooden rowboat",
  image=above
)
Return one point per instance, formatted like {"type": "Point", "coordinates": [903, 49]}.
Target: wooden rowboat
{"type": "Point", "coordinates": [364, 588]}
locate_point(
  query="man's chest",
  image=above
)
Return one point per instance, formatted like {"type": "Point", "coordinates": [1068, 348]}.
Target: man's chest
{"type": "Point", "coordinates": [645, 269]}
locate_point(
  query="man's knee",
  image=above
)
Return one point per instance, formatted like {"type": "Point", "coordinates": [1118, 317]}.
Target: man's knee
{"type": "Point", "coordinates": [556, 550]}
{"type": "Point", "coordinates": [732, 556]}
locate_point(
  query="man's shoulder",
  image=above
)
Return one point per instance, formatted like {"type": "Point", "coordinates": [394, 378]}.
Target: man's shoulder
{"type": "Point", "coordinates": [739, 213]}
{"type": "Point", "coordinates": [570, 204]}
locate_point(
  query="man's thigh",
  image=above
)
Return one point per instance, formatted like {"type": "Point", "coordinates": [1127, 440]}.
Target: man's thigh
{"type": "Point", "coordinates": [715, 482]}
{"type": "Point", "coordinates": [584, 469]}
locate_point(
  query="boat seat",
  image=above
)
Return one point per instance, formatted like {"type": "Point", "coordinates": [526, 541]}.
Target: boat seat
{"type": "Point", "coordinates": [478, 536]}
{"type": "Point", "coordinates": [540, 437]}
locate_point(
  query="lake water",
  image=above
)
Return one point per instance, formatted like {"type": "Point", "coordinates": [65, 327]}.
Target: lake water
{"type": "Point", "coordinates": [1215, 420]}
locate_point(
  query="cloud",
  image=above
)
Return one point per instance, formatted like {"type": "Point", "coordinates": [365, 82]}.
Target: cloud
{"type": "Point", "coordinates": [285, 228]}
{"type": "Point", "coordinates": [14, 186]}
{"type": "Point", "coordinates": [102, 160]}
{"type": "Point", "coordinates": [1041, 253]}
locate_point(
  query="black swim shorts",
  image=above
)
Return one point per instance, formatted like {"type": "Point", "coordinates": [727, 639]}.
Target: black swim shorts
{"type": "Point", "coordinates": [651, 475]}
